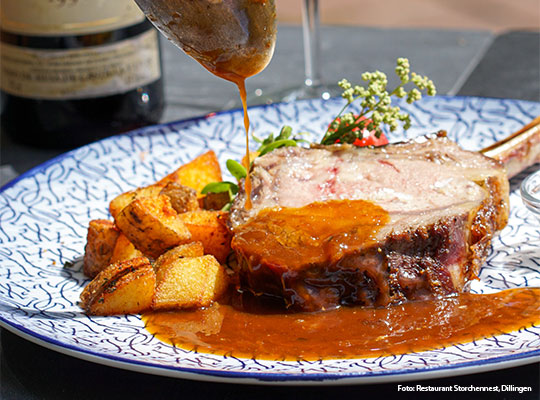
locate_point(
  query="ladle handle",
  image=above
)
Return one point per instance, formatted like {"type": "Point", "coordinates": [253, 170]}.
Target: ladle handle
{"type": "Point", "coordinates": [519, 150]}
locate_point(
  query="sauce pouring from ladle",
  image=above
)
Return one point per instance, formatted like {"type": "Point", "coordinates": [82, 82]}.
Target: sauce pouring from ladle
{"type": "Point", "coordinates": [233, 39]}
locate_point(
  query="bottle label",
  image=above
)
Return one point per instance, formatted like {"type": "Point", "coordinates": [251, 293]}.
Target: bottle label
{"type": "Point", "coordinates": [67, 17]}
{"type": "Point", "coordinates": [80, 73]}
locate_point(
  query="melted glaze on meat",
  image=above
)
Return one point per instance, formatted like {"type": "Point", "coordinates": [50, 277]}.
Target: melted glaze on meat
{"type": "Point", "coordinates": [314, 234]}
{"type": "Point", "coordinates": [296, 254]}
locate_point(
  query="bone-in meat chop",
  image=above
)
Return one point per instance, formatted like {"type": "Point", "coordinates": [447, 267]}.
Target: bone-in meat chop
{"type": "Point", "coordinates": [340, 225]}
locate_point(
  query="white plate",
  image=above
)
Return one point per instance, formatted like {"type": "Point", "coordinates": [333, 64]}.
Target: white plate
{"type": "Point", "coordinates": [44, 215]}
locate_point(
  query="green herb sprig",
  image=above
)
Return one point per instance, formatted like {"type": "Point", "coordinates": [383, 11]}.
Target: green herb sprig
{"type": "Point", "coordinates": [283, 139]}
{"type": "Point", "coordinates": [376, 103]}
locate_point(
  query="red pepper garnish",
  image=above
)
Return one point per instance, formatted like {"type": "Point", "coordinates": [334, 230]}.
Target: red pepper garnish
{"type": "Point", "coordinates": [368, 137]}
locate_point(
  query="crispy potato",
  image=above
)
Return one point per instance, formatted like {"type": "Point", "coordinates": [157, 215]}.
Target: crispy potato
{"type": "Point", "coordinates": [152, 225]}
{"type": "Point", "coordinates": [208, 321]}
{"type": "Point", "coordinates": [193, 249]}
{"type": "Point", "coordinates": [100, 241]}
{"type": "Point", "coordinates": [106, 276]}
{"type": "Point", "coordinates": [122, 288]}
{"type": "Point", "coordinates": [183, 198]}
{"type": "Point", "coordinates": [124, 250]}
{"type": "Point", "coordinates": [210, 228]}
{"type": "Point", "coordinates": [189, 282]}
{"type": "Point", "coordinates": [121, 201]}
{"type": "Point", "coordinates": [214, 201]}
{"type": "Point", "coordinates": [196, 174]}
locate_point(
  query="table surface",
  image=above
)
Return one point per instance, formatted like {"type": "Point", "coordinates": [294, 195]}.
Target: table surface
{"type": "Point", "coordinates": [471, 63]}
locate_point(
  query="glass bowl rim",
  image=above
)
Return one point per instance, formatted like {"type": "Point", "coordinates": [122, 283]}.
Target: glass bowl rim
{"type": "Point", "coordinates": [526, 192]}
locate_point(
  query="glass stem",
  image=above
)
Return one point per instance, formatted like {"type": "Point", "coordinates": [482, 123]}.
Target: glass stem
{"type": "Point", "coordinates": [310, 31]}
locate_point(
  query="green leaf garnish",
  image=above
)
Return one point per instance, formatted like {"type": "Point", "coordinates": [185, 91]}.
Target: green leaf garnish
{"type": "Point", "coordinates": [274, 145]}
{"type": "Point", "coordinates": [220, 187]}
{"type": "Point", "coordinates": [236, 169]}
{"type": "Point", "coordinates": [285, 133]}
{"type": "Point", "coordinates": [283, 139]}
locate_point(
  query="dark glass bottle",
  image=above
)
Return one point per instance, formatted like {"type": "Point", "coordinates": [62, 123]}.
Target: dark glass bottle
{"type": "Point", "coordinates": [76, 71]}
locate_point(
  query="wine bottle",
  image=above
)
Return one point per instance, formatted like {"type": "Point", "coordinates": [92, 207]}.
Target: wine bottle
{"type": "Point", "coordinates": [75, 71]}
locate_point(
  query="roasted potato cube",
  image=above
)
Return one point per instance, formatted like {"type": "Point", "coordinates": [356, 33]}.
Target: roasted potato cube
{"type": "Point", "coordinates": [193, 249]}
{"type": "Point", "coordinates": [207, 321]}
{"type": "Point", "coordinates": [189, 282]}
{"type": "Point", "coordinates": [196, 174]}
{"type": "Point", "coordinates": [152, 225]}
{"type": "Point", "coordinates": [183, 198]}
{"type": "Point", "coordinates": [214, 201]}
{"type": "Point", "coordinates": [121, 201]}
{"type": "Point", "coordinates": [210, 228]}
{"type": "Point", "coordinates": [100, 241]}
{"type": "Point", "coordinates": [124, 250]}
{"type": "Point", "coordinates": [123, 288]}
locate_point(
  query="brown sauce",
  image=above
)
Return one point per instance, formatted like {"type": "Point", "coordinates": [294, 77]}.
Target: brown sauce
{"type": "Point", "coordinates": [223, 70]}
{"type": "Point", "coordinates": [233, 40]}
{"type": "Point", "coordinates": [318, 232]}
{"type": "Point", "coordinates": [247, 183]}
{"type": "Point", "coordinates": [244, 68]}
{"type": "Point", "coordinates": [347, 332]}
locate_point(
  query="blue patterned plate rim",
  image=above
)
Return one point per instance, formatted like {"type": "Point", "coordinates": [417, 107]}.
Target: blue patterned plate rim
{"type": "Point", "coordinates": [272, 379]}
{"type": "Point", "coordinates": [58, 158]}
{"type": "Point", "coordinates": [456, 368]}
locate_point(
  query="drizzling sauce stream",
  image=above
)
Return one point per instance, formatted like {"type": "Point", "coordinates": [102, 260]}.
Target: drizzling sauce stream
{"type": "Point", "coordinates": [232, 39]}
{"type": "Point", "coordinates": [247, 183]}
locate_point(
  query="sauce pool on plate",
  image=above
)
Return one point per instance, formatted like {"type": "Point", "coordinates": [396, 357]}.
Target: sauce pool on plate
{"type": "Point", "coordinates": [345, 332]}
